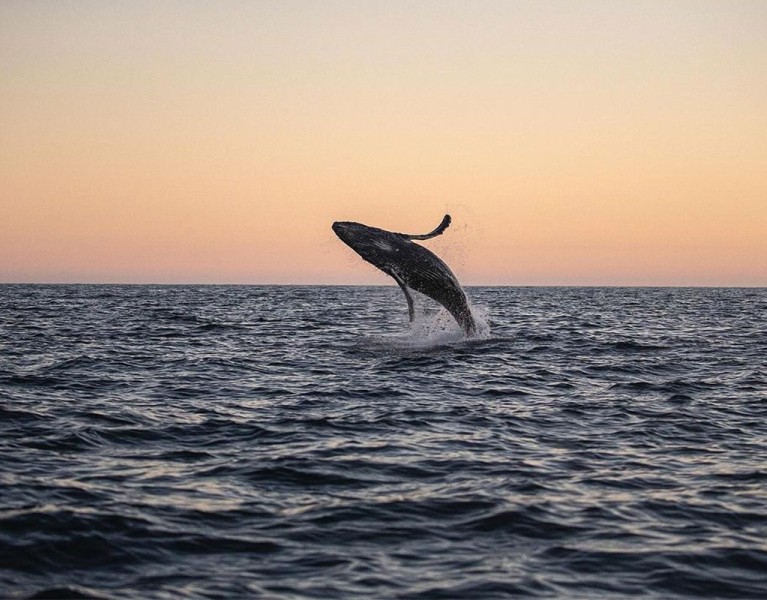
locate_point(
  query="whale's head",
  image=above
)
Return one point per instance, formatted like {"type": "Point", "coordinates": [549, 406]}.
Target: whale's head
{"type": "Point", "coordinates": [374, 245]}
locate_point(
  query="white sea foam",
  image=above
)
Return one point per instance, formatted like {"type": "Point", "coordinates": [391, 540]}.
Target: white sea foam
{"type": "Point", "coordinates": [433, 328]}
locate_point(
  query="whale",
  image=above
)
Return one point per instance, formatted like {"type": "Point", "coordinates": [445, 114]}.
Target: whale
{"type": "Point", "coordinates": [411, 265]}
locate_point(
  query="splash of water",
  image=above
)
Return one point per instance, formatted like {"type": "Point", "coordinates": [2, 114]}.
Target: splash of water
{"type": "Point", "coordinates": [434, 328]}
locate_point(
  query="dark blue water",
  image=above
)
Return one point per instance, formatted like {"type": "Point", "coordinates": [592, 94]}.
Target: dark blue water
{"type": "Point", "coordinates": [304, 442]}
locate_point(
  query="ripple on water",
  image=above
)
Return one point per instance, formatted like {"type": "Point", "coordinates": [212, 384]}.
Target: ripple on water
{"type": "Point", "coordinates": [309, 442]}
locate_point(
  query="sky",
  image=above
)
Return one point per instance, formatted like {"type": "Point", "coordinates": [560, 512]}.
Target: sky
{"type": "Point", "coordinates": [573, 143]}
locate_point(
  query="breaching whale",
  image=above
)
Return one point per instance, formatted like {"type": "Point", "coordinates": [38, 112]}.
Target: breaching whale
{"type": "Point", "coordinates": [410, 265]}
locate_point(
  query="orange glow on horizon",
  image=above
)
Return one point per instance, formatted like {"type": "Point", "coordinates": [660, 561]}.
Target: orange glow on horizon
{"type": "Point", "coordinates": [581, 143]}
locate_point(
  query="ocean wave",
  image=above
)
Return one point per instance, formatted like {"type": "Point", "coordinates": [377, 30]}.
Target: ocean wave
{"type": "Point", "coordinates": [298, 442]}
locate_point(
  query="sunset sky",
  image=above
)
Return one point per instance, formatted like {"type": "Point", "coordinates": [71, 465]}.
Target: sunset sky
{"type": "Point", "coordinates": [574, 143]}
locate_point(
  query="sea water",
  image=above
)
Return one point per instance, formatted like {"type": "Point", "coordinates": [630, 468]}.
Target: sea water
{"type": "Point", "coordinates": [308, 442]}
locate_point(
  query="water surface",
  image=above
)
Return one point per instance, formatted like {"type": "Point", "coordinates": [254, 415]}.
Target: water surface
{"type": "Point", "coordinates": [305, 442]}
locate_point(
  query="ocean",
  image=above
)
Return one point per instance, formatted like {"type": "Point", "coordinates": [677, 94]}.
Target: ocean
{"type": "Point", "coordinates": [296, 442]}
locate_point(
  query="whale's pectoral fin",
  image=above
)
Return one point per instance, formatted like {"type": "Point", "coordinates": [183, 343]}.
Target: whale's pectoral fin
{"type": "Point", "coordinates": [438, 231]}
{"type": "Point", "coordinates": [408, 297]}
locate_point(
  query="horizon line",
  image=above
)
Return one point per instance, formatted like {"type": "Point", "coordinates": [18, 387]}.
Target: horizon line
{"type": "Point", "coordinates": [467, 286]}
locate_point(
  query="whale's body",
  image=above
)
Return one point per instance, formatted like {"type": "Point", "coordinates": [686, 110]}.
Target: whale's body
{"type": "Point", "coordinates": [410, 265]}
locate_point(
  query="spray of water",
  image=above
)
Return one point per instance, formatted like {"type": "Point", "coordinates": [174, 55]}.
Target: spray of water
{"type": "Point", "coordinates": [435, 327]}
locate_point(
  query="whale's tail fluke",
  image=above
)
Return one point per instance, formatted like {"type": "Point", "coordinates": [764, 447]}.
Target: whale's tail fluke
{"type": "Point", "coordinates": [438, 231]}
